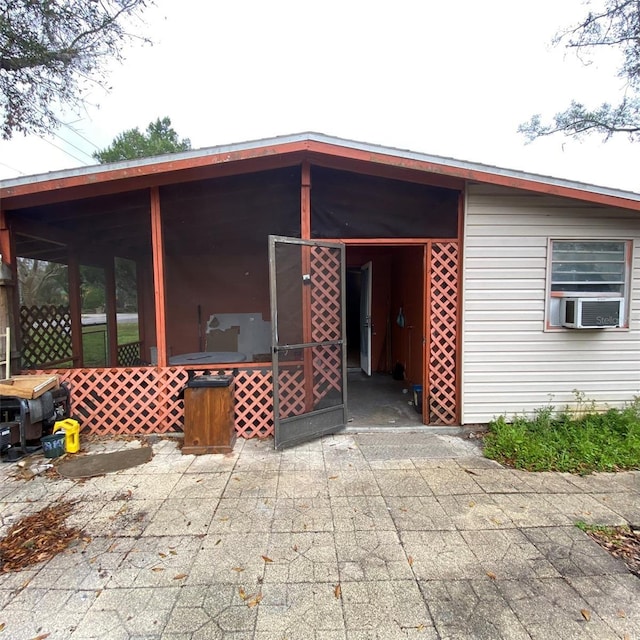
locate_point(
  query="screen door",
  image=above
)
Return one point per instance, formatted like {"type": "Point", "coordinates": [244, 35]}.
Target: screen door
{"type": "Point", "coordinates": [308, 327]}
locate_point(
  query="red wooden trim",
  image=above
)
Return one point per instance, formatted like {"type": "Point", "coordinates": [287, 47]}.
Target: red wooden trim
{"type": "Point", "coordinates": [91, 190]}
{"type": "Point", "coordinates": [137, 177]}
{"type": "Point", "coordinates": [158, 277]}
{"type": "Point", "coordinates": [307, 330]}
{"type": "Point", "coordinates": [9, 258]}
{"type": "Point", "coordinates": [426, 331]}
{"type": "Point", "coordinates": [147, 176]}
{"type": "Point", "coordinates": [305, 201]}
{"type": "Point", "coordinates": [477, 175]}
{"type": "Point", "coordinates": [6, 247]}
{"type": "Point", "coordinates": [426, 388]}
{"type": "Point", "coordinates": [459, 311]}
{"type": "Point", "coordinates": [305, 234]}
{"type": "Point", "coordinates": [386, 242]}
{"type": "Point", "coordinates": [386, 171]}
{"type": "Point", "coordinates": [75, 308]}
{"type": "Point", "coordinates": [112, 319]}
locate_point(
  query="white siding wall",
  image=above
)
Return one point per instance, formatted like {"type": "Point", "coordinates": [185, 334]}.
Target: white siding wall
{"type": "Point", "coordinates": [510, 364]}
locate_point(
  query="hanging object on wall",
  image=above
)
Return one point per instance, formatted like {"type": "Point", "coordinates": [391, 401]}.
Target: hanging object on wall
{"type": "Point", "coordinates": [400, 318]}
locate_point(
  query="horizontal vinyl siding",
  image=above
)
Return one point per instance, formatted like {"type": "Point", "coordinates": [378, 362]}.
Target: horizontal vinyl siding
{"type": "Point", "coordinates": [510, 364]}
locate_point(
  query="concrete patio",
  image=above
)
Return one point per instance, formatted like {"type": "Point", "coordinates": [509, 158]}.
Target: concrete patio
{"type": "Point", "coordinates": [355, 537]}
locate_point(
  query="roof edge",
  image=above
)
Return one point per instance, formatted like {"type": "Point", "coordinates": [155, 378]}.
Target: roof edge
{"type": "Point", "coordinates": [444, 165]}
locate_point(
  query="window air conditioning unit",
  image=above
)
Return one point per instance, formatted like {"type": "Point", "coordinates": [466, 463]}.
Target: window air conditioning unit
{"type": "Point", "coordinates": [591, 313]}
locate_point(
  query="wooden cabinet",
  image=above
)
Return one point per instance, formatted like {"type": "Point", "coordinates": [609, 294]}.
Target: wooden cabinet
{"type": "Point", "coordinates": [208, 415]}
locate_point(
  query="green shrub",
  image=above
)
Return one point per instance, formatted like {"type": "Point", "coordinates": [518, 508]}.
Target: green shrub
{"type": "Point", "coordinates": [578, 442]}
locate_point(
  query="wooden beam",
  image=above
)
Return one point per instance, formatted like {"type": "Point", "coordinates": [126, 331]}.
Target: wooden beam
{"type": "Point", "coordinates": [459, 279]}
{"type": "Point", "coordinates": [305, 201]}
{"type": "Point", "coordinates": [386, 242]}
{"type": "Point", "coordinates": [305, 232]}
{"type": "Point", "coordinates": [386, 171]}
{"type": "Point", "coordinates": [159, 277]}
{"type": "Point", "coordinates": [111, 312]}
{"type": "Point", "coordinates": [426, 331]}
{"type": "Point", "coordinates": [75, 309]}
{"type": "Point", "coordinates": [10, 290]}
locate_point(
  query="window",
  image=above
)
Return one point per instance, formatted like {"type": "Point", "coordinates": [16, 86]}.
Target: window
{"type": "Point", "coordinates": [587, 268]}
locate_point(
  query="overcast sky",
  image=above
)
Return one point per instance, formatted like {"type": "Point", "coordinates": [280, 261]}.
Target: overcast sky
{"type": "Point", "coordinates": [445, 78]}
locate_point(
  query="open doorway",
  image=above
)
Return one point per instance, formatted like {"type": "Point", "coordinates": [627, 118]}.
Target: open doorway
{"type": "Point", "coordinates": [385, 327]}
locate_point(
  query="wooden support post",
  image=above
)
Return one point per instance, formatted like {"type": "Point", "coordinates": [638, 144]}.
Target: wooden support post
{"type": "Point", "coordinates": [305, 201]}
{"type": "Point", "coordinates": [75, 309]}
{"type": "Point", "coordinates": [458, 343]}
{"type": "Point", "coordinates": [9, 294]}
{"type": "Point", "coordinates": [141, 308]}
{"type": "Point", "coordinates": [426, 329]}
{"type": "Point", "coordinates": [157, 246]}
{"type": "Point", "coordinates": [111, 311]}
{"type": "Point", "coordinates": [307, 320]}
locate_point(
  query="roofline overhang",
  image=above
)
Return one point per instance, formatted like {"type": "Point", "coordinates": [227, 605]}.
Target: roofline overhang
{"type": "Point", "coordinates": [282, 151]}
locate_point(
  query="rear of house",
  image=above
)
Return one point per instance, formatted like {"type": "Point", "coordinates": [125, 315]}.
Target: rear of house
{"type": "Point", "coordinates": [294, 263]}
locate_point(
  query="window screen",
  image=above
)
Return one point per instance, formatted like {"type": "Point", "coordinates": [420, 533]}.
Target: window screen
{"type": "Point", "coordinates": [352, 205]}
{"type": "Point", "coordinates": [589, 267]}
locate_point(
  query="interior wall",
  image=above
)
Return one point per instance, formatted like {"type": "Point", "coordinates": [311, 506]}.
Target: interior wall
{"type": "Point", "coordinates": [407, 293]}
{"type": "Point", "coordinates": [237, 284]}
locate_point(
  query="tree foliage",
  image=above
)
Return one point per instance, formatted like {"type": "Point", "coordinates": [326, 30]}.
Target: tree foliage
{"type": "Point", "coordinates": [42, 282]}
{"type": "Point", "coordinates": [616, 24]}
{"type": "Point", "coordinates": [51, 51]}
{"type": "Point", "coordinates": [160, 137]}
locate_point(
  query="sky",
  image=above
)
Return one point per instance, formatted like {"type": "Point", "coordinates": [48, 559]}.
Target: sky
{"type": "Point", "coordinates": [453, 79]}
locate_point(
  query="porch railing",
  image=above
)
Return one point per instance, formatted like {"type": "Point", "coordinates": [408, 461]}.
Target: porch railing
{"type": "Point", "coordinates": [129, 354]}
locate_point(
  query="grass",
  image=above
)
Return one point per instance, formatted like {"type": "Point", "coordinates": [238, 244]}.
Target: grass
{"type": "Point", "coordinates": [94, 342]}
{"type": "Point", "coordinates": [610, 534]}
{"type": "Point", "coordinates": [564, 441]}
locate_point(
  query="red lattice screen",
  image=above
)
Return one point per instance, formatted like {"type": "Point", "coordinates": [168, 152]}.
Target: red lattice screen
{"type": "Point", "coordinates": [443, 319]}
{"type": "Point", "coordinates": [146, 400]}
{"type": "Point", "coordinates": [326, 320]}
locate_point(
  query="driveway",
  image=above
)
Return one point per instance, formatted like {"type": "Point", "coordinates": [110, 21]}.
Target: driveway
{"type": "Point", "coordinates": [355, 537]}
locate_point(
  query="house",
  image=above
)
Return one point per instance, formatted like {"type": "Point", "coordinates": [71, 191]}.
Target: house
{"type": "Point", "coordinates": [273, 259]}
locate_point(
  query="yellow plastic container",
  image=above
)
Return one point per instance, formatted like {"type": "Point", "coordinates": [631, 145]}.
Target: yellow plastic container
{"type": "Point", "coordinates": [71, 430]}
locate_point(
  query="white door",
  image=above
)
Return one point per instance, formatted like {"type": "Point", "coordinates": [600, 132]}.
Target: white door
{"type": "Point", "coordinates": [365, 318]}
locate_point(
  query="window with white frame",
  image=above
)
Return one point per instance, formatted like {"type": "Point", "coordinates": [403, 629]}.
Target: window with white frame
{"type": "Point", "coordinates": [587, 269]}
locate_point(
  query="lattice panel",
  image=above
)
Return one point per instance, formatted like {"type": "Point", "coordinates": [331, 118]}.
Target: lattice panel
{"type": "Point", "coordinates": [146, 400]}
{"type": "Point", "coordinates": [291, 391]}
{"type": "Point", "coordinates": [326, 298]}
{"type": "Point", "coordinates": [129, 354]}
{"type": "Point", "coordinates": [327, 371]}
{"type": "Point", "coordinates": [326, 320]}
{"type": "Point", "coordinates": [444, 328]}
{"type": "Point", "coordinates": [46, 335]}
{"type": "Point", "coordinates": [254, 403]}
